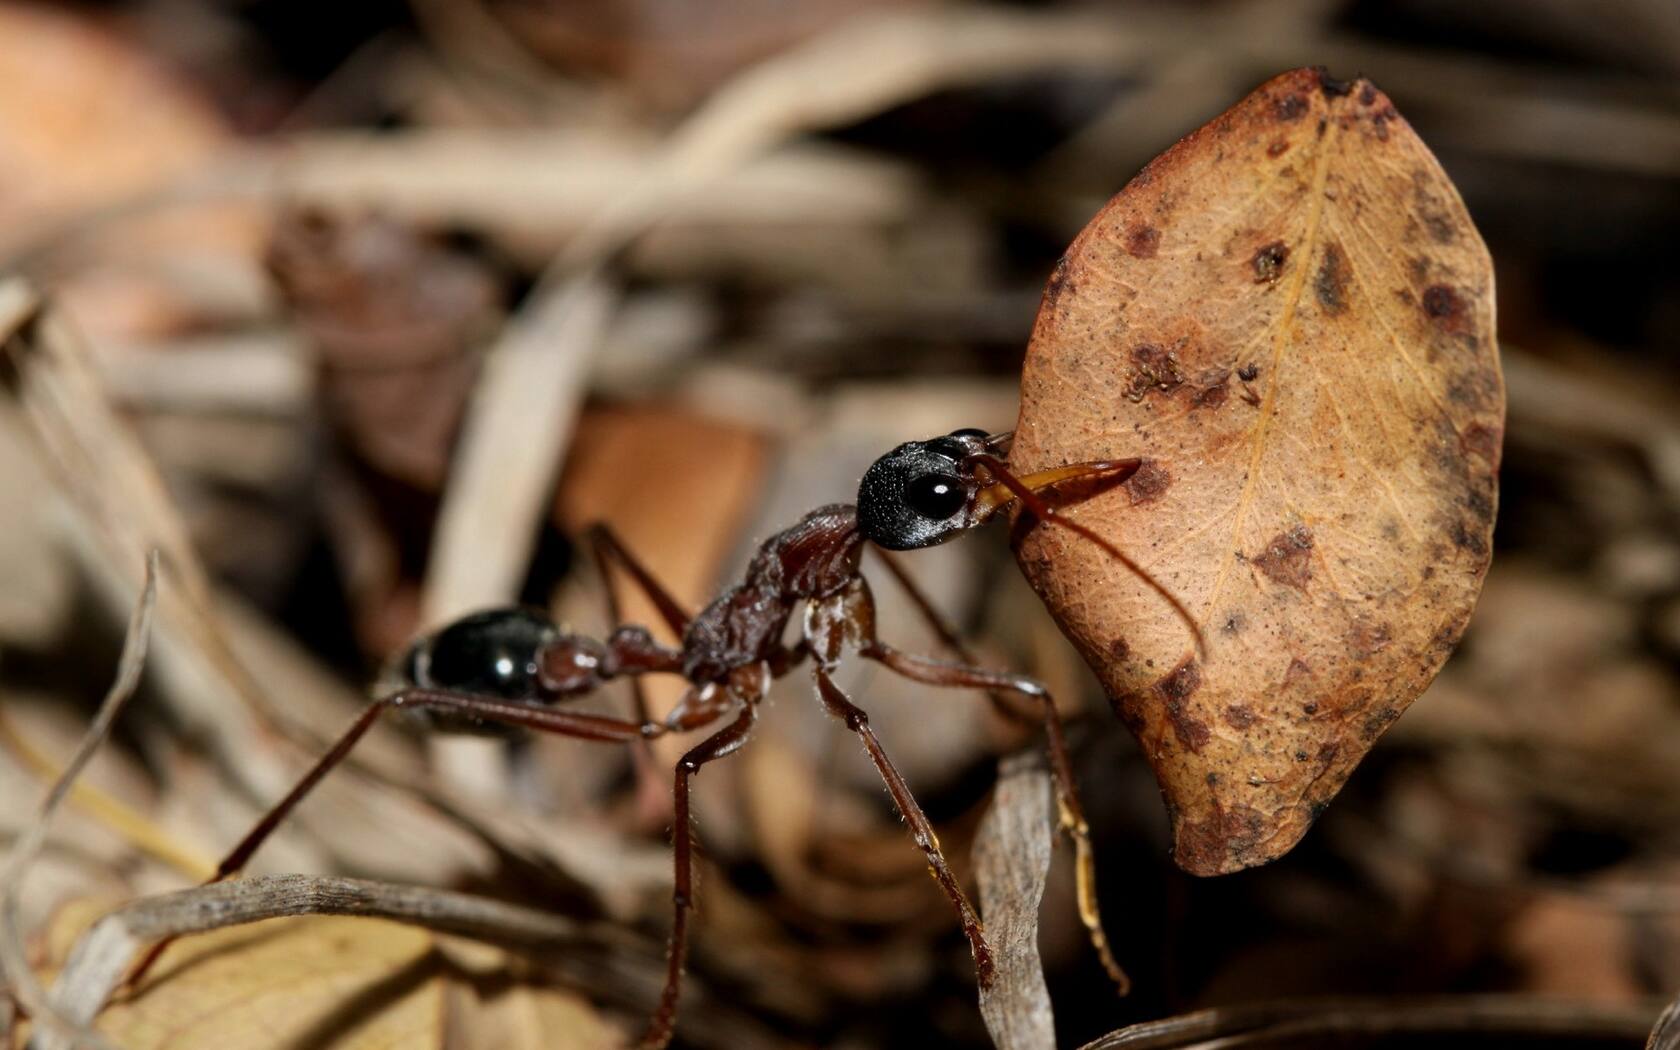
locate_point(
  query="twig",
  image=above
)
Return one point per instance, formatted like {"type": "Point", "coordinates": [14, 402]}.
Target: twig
{"type": "Point", "coordinates": [597, 957]}
{"type": "Point", "coordinates": [103, 954]}
{"type": "Point", "coordinates": [13, 959]}
{"type": "Point", "coordinates": [1665, 1035]}
{"type": "Point", "coordinates": [1012, 859]}
{"type": "Point", "coordinates": [1289, 1022]}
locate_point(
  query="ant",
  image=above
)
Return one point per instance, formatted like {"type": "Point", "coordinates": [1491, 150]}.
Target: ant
{"type": "Point", "coordinates": [509, 667]}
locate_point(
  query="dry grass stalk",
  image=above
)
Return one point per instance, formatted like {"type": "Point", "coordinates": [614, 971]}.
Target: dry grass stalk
{"type": "Point", "coordinates": [1012, 860]}
{"type": "Point", "coordinates": [14, 961]}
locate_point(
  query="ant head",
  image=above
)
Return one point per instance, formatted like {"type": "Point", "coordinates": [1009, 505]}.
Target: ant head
{"type": "Point", "coordinates": [922, 492]}
{"type": "Point", "coordinates": [493, 653]}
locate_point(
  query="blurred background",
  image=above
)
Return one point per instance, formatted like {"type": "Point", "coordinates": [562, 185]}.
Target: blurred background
{"type": "Point", "coordinates": [401, 296]}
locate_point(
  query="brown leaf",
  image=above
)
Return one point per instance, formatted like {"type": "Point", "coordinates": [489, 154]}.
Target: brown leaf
{"type": "Point", "coordinates": [1290, 315]}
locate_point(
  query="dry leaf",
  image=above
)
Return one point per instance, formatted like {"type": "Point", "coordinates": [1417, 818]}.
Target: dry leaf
{"type": "Point", "coordinates": [1289, 316]}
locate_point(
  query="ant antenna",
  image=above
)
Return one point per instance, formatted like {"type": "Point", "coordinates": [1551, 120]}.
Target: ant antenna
{"type": "Point", "coordinates": [1044, 512]}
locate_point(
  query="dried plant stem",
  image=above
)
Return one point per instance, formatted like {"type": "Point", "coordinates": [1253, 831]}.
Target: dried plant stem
{"type": "Point", "coordinates": [1012, 860]}
{"type": "Point", "coordinates": [105, 952]}
{"type": "Point", "coordinates": [1289, 1022]}
{"type": "Point", "coordinates": [13, 960]}
{"type": "Point", "coordinates": [1665, 1035]}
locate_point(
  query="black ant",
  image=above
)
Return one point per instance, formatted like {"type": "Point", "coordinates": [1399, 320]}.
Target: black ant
{"type": "Point", "coordinates": [509, 667]}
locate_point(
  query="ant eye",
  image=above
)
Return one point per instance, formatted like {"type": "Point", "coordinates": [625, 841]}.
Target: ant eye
{"type": "Point", "coordinates": [936, 496]}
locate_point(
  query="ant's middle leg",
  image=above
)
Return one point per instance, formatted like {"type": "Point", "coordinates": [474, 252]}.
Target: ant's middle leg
{"type": "Point", "coordinates": [543, 719]}
{"type": "Point", "coordinates": [938, 673]}
{"type": "Point", "coordinates": [724, 742]}
{"type": "Point", "coordinates": [921, 828]}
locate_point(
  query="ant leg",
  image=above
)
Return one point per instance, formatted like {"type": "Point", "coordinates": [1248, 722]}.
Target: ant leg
{"type": "Point", "coordinates": [948, 635]}
{"type": "Point", "coordinates": [935, 672]}
{"type": "Point", "coordinates": [841, 707]}
{"type": "Point", "coordinates": [607, 548]}
{"type": "Point", "coordinates": [548, 720]}
{"type": "Point", "coordinates": [725, 741]}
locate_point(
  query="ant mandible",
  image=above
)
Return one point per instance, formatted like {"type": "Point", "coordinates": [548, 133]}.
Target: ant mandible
{"type": "Point", "coordinates": [507, 667]}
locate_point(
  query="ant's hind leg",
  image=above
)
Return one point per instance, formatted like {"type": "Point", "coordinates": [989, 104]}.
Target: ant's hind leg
{"type": "Point", "coordinates": [652, 803]}
{"type": "Point", "coordinates": [607, 548]}
{"type": "Point", "coordinates": [921, 828]}
{"type": "Point", "coordinates": [547, 720]}
{"type": "Point", "coordinates": [938, 673]}
{"type": "Point", "coordinates": [723, 742]}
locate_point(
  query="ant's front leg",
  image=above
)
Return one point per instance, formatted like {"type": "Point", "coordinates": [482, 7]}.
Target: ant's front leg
{"type": "Point", "coordinates": [542, 719]}
{"type": "Point", "coordinates": [939, 673]}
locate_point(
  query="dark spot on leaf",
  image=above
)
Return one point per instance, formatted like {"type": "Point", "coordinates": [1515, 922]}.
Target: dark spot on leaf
{"type": "Point", "coordinates": [1278, 148]}
{"type": "Point", "coordinates": [1309, 709]}
{"type": "Point", "coordinates": [1447, 637]}
{"type": "Point", "coordinates": [1468, 537]}
{"type": "Point", "coordinates": [1480, 504]}
{"type": "Point", "coordinates": [1173, 689]}
{"type": "Point", "coordinates": [1148, 482]}
{"type": "Point", "coordinates": [1268, 262]}
{"type": "Point", "coordinates": [1331, 86]}
{"type": "Point", "coordinates": [1380, 121]}
{"type": "Point", "coordinates": [1156, 369]}
{"type": "Point", "coordinates": [1287, 559]}
{"type": "Point", "coordinates": [1179, 683]}
{"type": "Point", "coordinates": [1298, 669]}
{"type": "Point", "coordinates": [1059, 283]}
{"type": "Point", "coordinates": [1290, 107]}
{"type": "Point", "coordinates": [1213, 395]}
{"type": "Point", "coordinates": [1367, 94]}
{"type": "Point", "coordinates": [1376, 723]}
{"type": "Point", "coordinates": [1483, 441]}
{"type": "Point", "coordinates": [1142, 241]}
{"type": "Point", "coordinates": [1330, 283]}
{"type": "Point", "coordinates": [1446, 308]}
{"type": "Point", "coordinates": [1119, 649]}
{"type": "Point", "coordinates": [1234, 623]}
{"type": "Point", "coordinates": [1240, 716]}
{"type": "Point", "coordinates": [1368, 639]}
{"type": "Point", "coordinates": [1249, 373]}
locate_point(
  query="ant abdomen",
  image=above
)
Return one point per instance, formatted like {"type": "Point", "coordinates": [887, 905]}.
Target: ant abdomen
{"type": "Point", "coordinates": [497, 653]}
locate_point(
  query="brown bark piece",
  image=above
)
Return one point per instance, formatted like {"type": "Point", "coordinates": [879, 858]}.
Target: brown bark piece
{"type": "Point", "coordinates": [1307, 354]}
